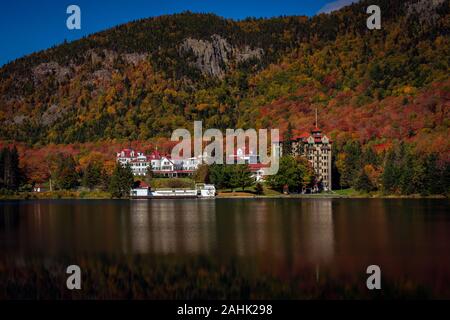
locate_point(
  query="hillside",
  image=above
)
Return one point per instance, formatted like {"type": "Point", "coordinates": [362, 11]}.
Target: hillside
{"type": "Point", "coordinates": [143, 79]}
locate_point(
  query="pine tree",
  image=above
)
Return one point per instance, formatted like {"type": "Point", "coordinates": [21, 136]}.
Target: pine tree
{"type": "Point", "coordinates": [243, 176]}
{"type": "Point", "coordinates": [351, 163]}
{"type": "Point", "coordinates": [92, 175]}
{"type": "Point", "coordinates": [121, 181]}
{"type": "Point", "coordinates": [390, 174]}
{"type": "Point", "coordinates": [406, 181]}
{"type": "Point", "coordinates": [66, 173]}
{"type": "Point", "coordinates": [433, 176]}
{"type": "Point", "coordinates": [369, 156]}
{"type": "Point", "coordinates": [363, 182]}
{"type": "Point", "coordinates": [11, 171]}
{"type": "Point", "coordinates": [219, 175]}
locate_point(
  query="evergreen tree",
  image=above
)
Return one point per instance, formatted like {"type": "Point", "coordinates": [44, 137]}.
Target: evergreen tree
{"type": "Point", "coordinates": [407, 172]}
{"type": "Point", "coordinates": [369, 156]}
{"type": "Point", "coordinates": [104, 180]}
{"type": "Point", "coordinates": [122, 180]}
{"type": "Point", "coordinates": [363, 182]}
{"type": "Point", "coordinates": [390, 173]}
{"type": "Point", "coordinates": [219, 176]}
{"type": "Point", "coordinates": [11, 171]}
{"type": "Point", "coordinates": [242, 176]}
{"type": "Point", "coordinates": [92, 175]}
{"type": "Point", "coordinates": [351, 164]}
{"type": "Point", "coordinates": [66, 172]}
{"type": "Point", "coordinates": [433, 176]}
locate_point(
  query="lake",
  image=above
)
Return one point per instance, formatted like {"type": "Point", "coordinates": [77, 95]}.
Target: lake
{"type": "Point", "coordinates": [301, 248]}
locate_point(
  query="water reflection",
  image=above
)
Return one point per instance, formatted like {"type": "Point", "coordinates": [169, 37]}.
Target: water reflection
{"type": "Point", "coordinates": [167, 227]}
{"type": "Point", "coordinates": [276, 234]}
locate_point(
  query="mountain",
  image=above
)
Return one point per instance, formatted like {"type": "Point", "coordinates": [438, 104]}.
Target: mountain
{"type": "Point", "coordinates": [145, 78]}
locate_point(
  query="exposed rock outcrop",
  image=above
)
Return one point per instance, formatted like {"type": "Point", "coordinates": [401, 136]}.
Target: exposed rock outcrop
{"type": "Point", "coordinates": [135, 58]}
{"type": "Point", "coordinates": [45, 70]}
{"type": "Point", "coordinates": [52, 114]}
{"type": "Point", "coordinates": [215, 56]}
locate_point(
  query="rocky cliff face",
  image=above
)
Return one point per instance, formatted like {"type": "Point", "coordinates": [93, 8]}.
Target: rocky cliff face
{"type": "Point", "coordinates": [215, 56]}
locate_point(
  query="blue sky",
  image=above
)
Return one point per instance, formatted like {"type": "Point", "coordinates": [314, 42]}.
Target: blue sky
{"type": "Point", "coordinates": [27, 26]}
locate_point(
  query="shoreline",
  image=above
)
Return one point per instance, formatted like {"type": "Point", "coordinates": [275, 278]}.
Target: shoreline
{"type": "Point", "coordinates": [76, 195]}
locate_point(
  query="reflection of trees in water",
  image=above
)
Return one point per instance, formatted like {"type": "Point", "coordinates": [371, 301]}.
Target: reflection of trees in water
{"type": "Point", "coordinates": [173, 226]}
{"type": "Point", "coordinates": [285, 234]}
{"type": "Point", "coordinates": [271, 233]}
{"type": "Point", "coordinates": [9, 217]}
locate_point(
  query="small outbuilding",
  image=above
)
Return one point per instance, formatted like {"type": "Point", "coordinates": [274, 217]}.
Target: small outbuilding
{"type": "Point", "coordinates": [140, 189]}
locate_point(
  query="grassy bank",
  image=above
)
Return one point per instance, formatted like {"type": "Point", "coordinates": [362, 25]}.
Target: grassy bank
{"type": "Point", "coordinates": [222, 193]}
{"type": "Point", "coordinates": [344, 193]}
{"type": "Point", "coordinates": [60, 194]}
{"type": "Point", "coordinates": [352, 193]}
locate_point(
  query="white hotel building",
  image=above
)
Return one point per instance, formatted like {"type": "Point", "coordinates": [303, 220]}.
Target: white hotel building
{"type": "Point", "coordinates": [163, 165]}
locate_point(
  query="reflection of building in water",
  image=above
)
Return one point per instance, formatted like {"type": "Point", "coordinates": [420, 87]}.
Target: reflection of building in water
{"type": "Point", "coordinates": [172, 226]}
{"type": "Point", "coordinates": [285, 233]}
{"type": "Point", "coordinates": [251, 228]}
{"type": "Point", "coordinates": [140, 235]}
{"type": "Point", "coordinates": [319, 233]}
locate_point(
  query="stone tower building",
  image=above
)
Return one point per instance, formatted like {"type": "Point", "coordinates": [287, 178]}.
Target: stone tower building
{"type": "Point", "coordinates": [316, 147]}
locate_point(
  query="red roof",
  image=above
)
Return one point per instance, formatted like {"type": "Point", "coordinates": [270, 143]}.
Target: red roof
{"type": "Point", "coordinates": [126, 152]}
{"type": "Point", "coordinates": [257, 166]}
{"type": "Point", "coordinates": [143, 185]}
{"type": "Point", "coordinates": [173, 171]}
{"type": "Point", "coordinates": [302, 136]}
{"type": "Point", "coordinates": [155, 155]}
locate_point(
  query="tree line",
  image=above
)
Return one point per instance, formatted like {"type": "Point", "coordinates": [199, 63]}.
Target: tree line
{"type": "Point", "coordinates": [65, 174]}
{"type": "Point", "coordinates": [226, 176]}
{"type": "Point", "coordinates": [399, 170]}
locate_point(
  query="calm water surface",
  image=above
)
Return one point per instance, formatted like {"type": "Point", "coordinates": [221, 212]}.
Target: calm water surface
{"type": "Point", "coordinates": [406, 237]}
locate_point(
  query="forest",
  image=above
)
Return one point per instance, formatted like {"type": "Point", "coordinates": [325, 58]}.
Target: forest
{"type": "Point", "coordinates": [381, 94]}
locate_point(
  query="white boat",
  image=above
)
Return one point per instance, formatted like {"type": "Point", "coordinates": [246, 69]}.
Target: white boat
{"type": "Point", "coordinates": [200, 191]}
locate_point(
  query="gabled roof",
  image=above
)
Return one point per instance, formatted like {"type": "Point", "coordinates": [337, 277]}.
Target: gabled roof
{"type": "Point", "coordinates": [141, 185]}
{"type": "Point", "coordinates": [155, 155]}
{"type": "Point", "coordinates": [302, 136]}
{"type": "Point", "coordinates": [126, 152]}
